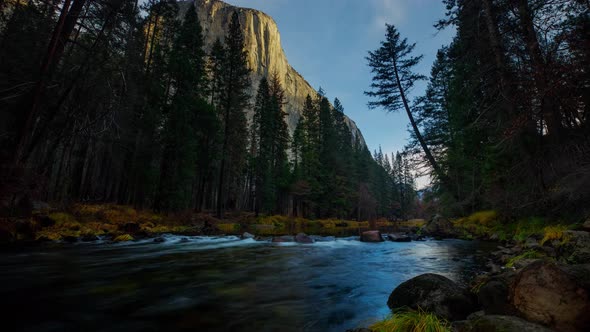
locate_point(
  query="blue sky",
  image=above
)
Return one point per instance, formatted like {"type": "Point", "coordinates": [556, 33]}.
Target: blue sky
{"type": "Point", "coordinates": [327, 41]}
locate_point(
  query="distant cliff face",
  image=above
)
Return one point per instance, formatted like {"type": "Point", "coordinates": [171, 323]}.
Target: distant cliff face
{"type": "Point", "coordinates": [265, 53]}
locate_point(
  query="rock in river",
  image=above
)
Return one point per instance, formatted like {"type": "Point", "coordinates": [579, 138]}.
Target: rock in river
{"type": "Point", "coordinates": [303, 238]}
{"type": "Point", "coordinates": [247, 235]}
{"type": "Point", "coordinates": [399, 237]}
{"type": "Point", "coordinates": [284, 238]}
{"type": "Point", "coordinates": [434, 293]}
{"type": "Point", "coordinates": [371, 236]}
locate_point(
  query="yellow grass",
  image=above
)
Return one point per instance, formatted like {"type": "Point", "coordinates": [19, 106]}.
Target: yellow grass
{"type": "Point", "coordinates": [412, 321]}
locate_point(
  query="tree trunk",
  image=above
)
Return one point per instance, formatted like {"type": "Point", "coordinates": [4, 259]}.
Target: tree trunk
{"type": "Point", "coordinates": [500, 63]}
{"type": "Point", "coordinates": [25, 130]}
{"type": "Point", "coordinates": [550, 115]}
{"type": "Point", "coordinates": [441, 175]}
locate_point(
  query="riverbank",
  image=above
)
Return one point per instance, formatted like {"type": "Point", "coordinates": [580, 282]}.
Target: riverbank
{"type": "Point", "coordinates": [89, 222]}
{"type": "Point", "coordinates": [536, 280]}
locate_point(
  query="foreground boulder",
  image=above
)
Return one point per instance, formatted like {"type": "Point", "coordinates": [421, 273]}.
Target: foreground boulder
{"type": "Point", "coordinates": [433, 293]}
{"type": "Point", "coordinates": [439, 227]}
{"type": "Point", "coordinates": [303, 238]}
{"type": "Point", "coordinates": [554, 295]}
{"type": "Point", "coordinates": [494, 294]}
{"type": "Point", "coordinates": [371, 236]}
{"type": "Point", "coordinates": [497, 323]}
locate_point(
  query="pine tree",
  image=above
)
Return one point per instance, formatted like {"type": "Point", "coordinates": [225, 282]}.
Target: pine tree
{"type": "Point", "coordinates": [233, 102]}
{"type": "Point", "coordinates": [187, 113]}
{"type": "Point", "coordinates": [392, 66]}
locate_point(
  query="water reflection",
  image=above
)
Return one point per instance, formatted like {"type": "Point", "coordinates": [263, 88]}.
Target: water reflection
{"type": "Point", "coordinates": [218, 284]}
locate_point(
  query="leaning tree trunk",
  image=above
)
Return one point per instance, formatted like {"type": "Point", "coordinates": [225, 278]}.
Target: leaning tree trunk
{"type": "Point", "coordinates": [61, 34]}
{"type": "Point", "coordinates": [439, 173]}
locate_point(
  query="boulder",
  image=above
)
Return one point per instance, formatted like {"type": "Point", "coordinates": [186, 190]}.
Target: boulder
{"type": "Point", "coordinates": [493, 296]}
{"type": "Point", "coordinates": [399, 237]}
{"type": "Point", "coordinates": [434, 293]}
{"type": "Point", "coordinates": [497, 323]}
{"type": "Point", "coordinates": [371, 236]}
{"type": "Point", "coordinates": [577, 247]}
{"type": "Point", "coordinates": [531, 243]}
{"type": "Point", "coordinates": [284, 238]}
{"type": "Point", "coordinates": [303, 238]}
{"type": "Point", "coordinates": [522, 263]}
{"type": "Point", "coordinates": [439, 227]}
{"type": "Point", "coordinates": [247, 235]}
{"type": "Point", "coordinates": [159, 240]}
{"type": "Point", "coordinates": [554, 295]}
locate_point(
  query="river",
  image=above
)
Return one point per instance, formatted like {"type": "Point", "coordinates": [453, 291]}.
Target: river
{"type": "Point", "coordinates": [217, 283]}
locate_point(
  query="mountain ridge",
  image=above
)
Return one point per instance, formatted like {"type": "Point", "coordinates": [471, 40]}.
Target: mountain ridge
{"type": "Point", "coordinates": [265, 53]}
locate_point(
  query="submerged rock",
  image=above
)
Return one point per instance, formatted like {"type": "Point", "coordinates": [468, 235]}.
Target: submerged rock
{"type": "Point", "coordinates": [399, 237]}
{"type": "Point", "coordinates": [284, 238]}
{"type": "Point", "coordinates": [433, 293]}
{"type": "Point", "coordinates": [159, 240]}
{"type": "Point", "coordinates": [303, 238]}
{"type": "Point", "coordinates": [371, 236]}
{"type": "Point", "coordinates": [555, 295]}
{"type": "Point", "coordinates": [318, 238]}
{"type": "Point", "coordinates": [247, 235]}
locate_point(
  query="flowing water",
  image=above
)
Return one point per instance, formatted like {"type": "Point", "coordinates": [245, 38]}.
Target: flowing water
{"type": "Point", "coordinates": [217, 283]}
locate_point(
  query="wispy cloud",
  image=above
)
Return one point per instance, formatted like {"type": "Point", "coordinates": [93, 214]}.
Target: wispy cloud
{"type": "Point", "coordinates": [389, 11]}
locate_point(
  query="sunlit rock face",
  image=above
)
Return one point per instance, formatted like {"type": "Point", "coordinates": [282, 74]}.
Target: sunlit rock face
{"type": "Point", "coordinates": [265, 53]}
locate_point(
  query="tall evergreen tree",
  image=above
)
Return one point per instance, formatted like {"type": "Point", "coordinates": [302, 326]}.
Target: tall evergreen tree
{"type": "Point", "coordinates": [392, 66]}
{"type": "Point", "coordinates": [233, 102]}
